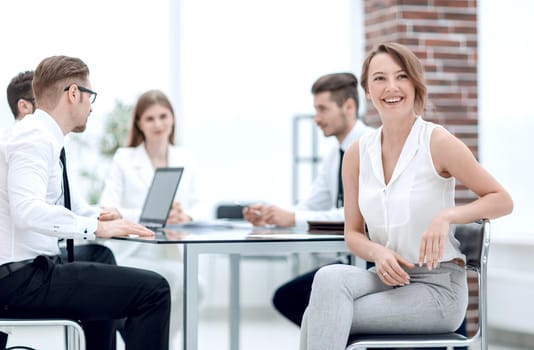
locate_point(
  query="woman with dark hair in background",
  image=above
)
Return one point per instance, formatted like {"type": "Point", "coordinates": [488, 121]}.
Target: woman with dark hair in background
{"type": "Point", "coordinates": [151, 146]}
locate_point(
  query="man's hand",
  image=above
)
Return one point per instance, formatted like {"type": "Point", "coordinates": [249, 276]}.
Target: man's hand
{"type": "Point", "coordinates": [280, 217]}
{"type": "Point", "coordinates": [260, 215]}
{"type": "Point", "coordinates": [254, 214]}
{"type": "Point", "coordinates": [112, 228]}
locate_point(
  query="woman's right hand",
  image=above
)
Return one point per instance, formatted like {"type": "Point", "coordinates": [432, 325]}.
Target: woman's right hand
{"type": "Point", "coordinates": [388, 267]}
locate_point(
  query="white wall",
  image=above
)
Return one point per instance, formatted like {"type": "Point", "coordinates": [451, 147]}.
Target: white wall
{"type": "Point", "coordinates": [246, 70]}
{"type": "Point", "coordinates": [506, 120]}
{"type": "Point", "coordinates": [506, 111]}
{"type": "Point", "coordinates": [124, 43]}
{"type": "Point", "coordinates": [237, 72]}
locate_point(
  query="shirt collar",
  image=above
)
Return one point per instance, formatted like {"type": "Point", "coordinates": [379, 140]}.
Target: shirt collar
{"type": "Point", "coordinates": [51, 125]}
{"type": "Point", "coordinates": [358, 130]}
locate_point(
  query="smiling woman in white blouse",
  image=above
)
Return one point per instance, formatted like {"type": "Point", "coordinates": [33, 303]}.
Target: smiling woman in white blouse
{"type": "Point", "coordinates": [399, 182]}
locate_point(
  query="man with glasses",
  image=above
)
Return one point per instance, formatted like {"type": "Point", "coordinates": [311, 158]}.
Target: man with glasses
{"type": "Point", "coordinates": [22, 103]}
{"type": "Point", "coordinates": [20, 95]}
{"type": "Point", "coordinates": [37, 208]}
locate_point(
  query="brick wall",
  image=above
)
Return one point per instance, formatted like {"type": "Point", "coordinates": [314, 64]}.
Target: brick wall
{"type": "Point", "coordinates": [443, 34]}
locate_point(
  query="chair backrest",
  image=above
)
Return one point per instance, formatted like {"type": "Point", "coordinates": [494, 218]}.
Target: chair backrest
{"type": "Point", "coordinates": [474, 241]}
{"type": "Point", "coordinates": [473, 238]}
{"type": "Point", "coordinates": [229, 211]}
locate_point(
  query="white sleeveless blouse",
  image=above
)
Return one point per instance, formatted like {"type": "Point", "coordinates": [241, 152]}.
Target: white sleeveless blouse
{"type": "Point", "coordinates": [398, 214]}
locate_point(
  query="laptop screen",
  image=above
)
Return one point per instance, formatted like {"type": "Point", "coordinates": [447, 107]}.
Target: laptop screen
{"type": "Point", "coordinates": [158, 201]}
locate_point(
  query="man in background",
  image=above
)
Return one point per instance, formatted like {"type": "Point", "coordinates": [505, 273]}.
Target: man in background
{"type": "Point", "coordinates": [335, 99]}
{"type": "Point", "coordinates": [21, 102]}
{"type": "Point", "coordinates": [20, 95]}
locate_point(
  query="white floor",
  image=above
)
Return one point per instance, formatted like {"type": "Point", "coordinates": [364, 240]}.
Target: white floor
{"type": "Point", "coordinates": [261, 330]}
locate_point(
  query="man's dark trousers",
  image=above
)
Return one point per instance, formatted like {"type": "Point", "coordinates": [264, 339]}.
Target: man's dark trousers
{"type": "Point", "coordinates": [95, 293]}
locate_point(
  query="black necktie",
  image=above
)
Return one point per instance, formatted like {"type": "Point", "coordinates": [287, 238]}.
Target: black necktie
{"type": "Point", "coordinates": [339, 202]}
{"type": "Point", "coordinates": [66, 202]}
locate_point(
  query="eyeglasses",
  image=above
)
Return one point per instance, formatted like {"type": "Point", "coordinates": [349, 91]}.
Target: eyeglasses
{"type": "Point", "coordinates": [92, 94]}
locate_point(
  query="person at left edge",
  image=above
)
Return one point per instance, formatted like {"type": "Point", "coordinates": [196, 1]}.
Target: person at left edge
{"type": "Point", "coordinates": [20, 95]}
{"type": "Point", "coordinates": [36, 281]}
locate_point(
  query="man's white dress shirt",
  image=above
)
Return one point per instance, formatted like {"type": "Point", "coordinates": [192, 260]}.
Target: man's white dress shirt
{"type": "Point", "coordinates": [321, 203]}
{"type": "Point", "coordinates": [32, 214]}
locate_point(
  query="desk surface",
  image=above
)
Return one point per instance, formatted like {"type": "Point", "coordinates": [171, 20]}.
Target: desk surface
{"type": "Point", "coordinates": [231, 232]}
{"type": "Point", "coordinates": [232, 238]}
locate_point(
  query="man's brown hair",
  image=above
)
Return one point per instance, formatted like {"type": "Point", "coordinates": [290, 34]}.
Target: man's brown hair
{"type": "Point", "coordinates": [20, 87]}
{"type": "Point", "coordinates": [341, 86]}
{"type": "Point", "coordinates": [55, 73]}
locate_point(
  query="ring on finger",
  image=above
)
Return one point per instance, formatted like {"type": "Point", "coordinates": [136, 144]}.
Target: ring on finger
{"type": "Point", "coordinates": [384, 273]}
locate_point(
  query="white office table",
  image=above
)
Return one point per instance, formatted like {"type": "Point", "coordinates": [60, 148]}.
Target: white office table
{"type": "Point", "coordinates": [233, 240]}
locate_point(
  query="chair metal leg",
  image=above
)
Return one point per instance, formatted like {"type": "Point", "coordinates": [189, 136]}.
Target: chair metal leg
{"type": "Point", "coordinates": [73, 333]}
{"type": "Point", "coordinates": [71, 339]}
{"type": "Point", "coordinates": [74, 337]}
{"type": "Point", "coordinates": [294, 261]}
{"type": "Point", "coordinates": [3, 340]}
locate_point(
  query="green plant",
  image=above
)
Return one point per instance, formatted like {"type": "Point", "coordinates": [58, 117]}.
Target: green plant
{"type": "Point", "coordinates": [116, 129]}
{"type": "Point", "coordinates": [114, 135]}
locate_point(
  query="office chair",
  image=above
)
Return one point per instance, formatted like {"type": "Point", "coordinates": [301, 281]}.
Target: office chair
{"type": "Point", "coordinates": [74, 336]}
{"type": "Point", "coordinates": [229, 211]}
{"type": "Point", "coordinates": [474, 241]}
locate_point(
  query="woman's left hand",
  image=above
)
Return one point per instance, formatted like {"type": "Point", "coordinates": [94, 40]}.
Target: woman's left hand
{"type": "Point", "coordinates": [433, 243]}
{"type": "Point", "coordinates": [177, 215]}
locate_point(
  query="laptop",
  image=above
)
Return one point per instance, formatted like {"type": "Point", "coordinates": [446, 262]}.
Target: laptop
{"type": "Point", "coordinates": [158, 201]}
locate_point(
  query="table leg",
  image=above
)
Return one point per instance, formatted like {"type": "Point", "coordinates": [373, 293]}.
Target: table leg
{"type": "Point", "coordinates": [190, 306]}
{"type": "Point", "coordinates": [234, 301]}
